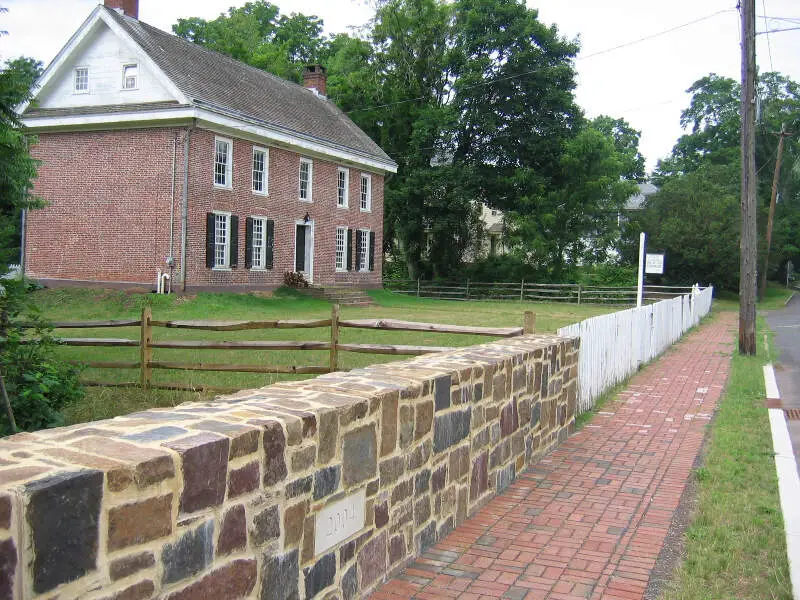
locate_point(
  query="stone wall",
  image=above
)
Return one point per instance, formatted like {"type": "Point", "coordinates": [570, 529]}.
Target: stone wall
{"type": "Point", "coordinates": [222, 499]}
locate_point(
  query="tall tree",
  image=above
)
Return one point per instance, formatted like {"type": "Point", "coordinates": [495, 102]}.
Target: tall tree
{"type": "Point", "coordinates": [626, 143]}
{"type": "Point", "coordinates": [17, 167]}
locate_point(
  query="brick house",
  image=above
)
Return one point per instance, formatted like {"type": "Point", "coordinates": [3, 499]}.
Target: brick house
{"type": "Point", "coordinates": [159, 155]}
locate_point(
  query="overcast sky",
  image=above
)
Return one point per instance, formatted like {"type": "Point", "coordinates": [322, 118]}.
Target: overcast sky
{"type": "Point", "coordinates": [643, 82]}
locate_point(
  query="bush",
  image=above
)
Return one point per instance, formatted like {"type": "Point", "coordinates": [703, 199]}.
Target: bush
{"type": "Point", "coordinates": [39, 385]}
{"type": "Point", "coordinates": [294, 280]}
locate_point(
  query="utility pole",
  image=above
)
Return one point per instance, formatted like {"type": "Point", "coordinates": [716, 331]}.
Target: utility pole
{"type": "Point", "coordinates": [762, 290]}
{"type": "Point", "coordinates": [748, 251]}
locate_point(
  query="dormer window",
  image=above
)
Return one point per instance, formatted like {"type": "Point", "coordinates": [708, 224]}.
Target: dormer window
{"type": "Point", "coordinates": [82, 80]}
{"type": "Point", "coordinates": [130, 77]}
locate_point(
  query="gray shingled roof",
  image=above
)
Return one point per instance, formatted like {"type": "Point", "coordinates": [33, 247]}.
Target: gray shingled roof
{"type": "Point", "coordinates": [218, 81]}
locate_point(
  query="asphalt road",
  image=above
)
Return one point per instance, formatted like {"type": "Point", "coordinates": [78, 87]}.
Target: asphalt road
{"type": "Point", "coordinates": [786, 325]}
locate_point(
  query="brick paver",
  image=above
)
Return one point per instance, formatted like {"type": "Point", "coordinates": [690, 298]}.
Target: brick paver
{"type": "Point", "coordinates": [589, 520]}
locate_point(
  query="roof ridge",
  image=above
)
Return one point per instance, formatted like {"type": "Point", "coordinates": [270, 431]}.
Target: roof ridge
{"type": "Point", "coordinates": [199, 47]}
{"type": "Point", "coordinates": [210, 76]}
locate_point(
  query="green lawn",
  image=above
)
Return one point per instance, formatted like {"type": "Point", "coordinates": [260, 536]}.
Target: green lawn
{"type": "Point", "coordinates": [106, 402]}
{"type": "Point", "coordinates": [735, 546]}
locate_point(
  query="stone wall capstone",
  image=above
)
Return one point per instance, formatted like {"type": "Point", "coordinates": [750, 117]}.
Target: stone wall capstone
{"type": "Point", "coordinates": [224, 499]}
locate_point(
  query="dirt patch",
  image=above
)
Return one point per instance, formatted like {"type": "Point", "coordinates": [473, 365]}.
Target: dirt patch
{"type": "Point", "coordinates": [673, 551]}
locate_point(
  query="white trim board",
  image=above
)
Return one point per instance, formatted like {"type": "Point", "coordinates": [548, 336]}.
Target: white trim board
{"type": "Point", "coordinates": [788, 483]}
{"type": "Point", "coordinates": [214, 122]}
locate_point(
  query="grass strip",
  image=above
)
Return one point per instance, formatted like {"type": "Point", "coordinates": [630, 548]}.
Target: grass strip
{"type": "Point", "coordinates": [735, 545]}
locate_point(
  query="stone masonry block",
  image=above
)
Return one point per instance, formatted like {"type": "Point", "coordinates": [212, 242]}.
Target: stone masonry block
{"type": "Point", "coordinates": [233, 531]}
{"type": "Point", "coordinates": [326, 481]}
{"type": "Point", "coordinates": [244, 438]}
{"type": "Point", "coordinates": [441, 392]}
{"type": "Point", "coordinates": [293, 518]}
{"type": "Point", "coordinates": [280, 577]}
{"type": "Point", "coordinates": [450, 428]}
{"type": "Point", "coordinates": [63, 513]}
{"type": "Point", "coordinates": [274, 459]}
{"type": "Point", "coordinates": [230, 582]}
{"type": "Point", "coordinates": [372, 560]}
{"type": "Point", "coordinates": [189, 554]}
{"type": "Point", "coordinates": [8, 567]}
{"type": "Point", "coordinates": [5, 512]}
{"type": "Point", "coordinates": [266, 526]}
{"type": "Point", "coordinates": [128, 565]}
{"type": "Point", "coordinates": [359, 455]}
{"type": "Point", "coordinates": [424, 419]}
{"type": "Point", "coordinates": [204, 461]}
{"type": "Point", "coordinates": [139, 522]}
{"type": "Point", "coordinates": [320, 575]}
{"type": "Point", "coordinates": [479, 481]}
{"type": "Point", "coordinates": [509, 419]}
{"type": "Point", "coordinates": [328, 436]}
{"type": "Point", "coordinates": [244, 480]}
{"type": "Point", "coordinates": [389, 424]}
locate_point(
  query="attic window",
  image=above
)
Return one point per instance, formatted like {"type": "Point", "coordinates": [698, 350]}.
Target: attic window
{"type": "Point", "coordinates": [130, 77]}
{"type": "Point", "coordinates": [82, 80]}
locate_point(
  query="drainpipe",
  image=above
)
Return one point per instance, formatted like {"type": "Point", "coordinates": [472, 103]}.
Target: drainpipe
{"type": "Point", "coordinates": [172, 198]}
{"type": "Point", "coordinates": [185, 204]}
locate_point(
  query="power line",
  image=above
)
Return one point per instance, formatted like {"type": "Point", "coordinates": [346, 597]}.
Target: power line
{"type": "Point", "coordinates": [585, 57]}
{"type": "Point", "coordinates": [769, 45]}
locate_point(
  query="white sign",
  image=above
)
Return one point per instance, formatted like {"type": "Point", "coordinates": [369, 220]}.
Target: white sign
{"type": "Point", "coordinates": [340, 520]}
{"type": "Point", "coordinates": [654, 264]}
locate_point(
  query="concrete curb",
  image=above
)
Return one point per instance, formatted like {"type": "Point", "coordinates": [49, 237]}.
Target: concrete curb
{"type": "Point", "coordinates": [789, 299]}
{"type": "Point", "coordinates": [788, 480]}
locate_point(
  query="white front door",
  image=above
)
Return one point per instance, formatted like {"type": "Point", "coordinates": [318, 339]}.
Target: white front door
{"type": "Point", "coordinates": [304, 249]}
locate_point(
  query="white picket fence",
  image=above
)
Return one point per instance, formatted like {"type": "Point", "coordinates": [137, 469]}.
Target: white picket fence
{"type": "Point", "coordinates": [613, 346]}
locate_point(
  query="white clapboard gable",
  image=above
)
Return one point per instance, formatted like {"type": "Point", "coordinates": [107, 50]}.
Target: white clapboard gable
{"type": "Point", "coordinates": [105, 54]}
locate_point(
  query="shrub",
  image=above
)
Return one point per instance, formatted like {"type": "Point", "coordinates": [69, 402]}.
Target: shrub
{"type": "Point", "coordinates": [293, 279]}
{"type": "Point", "coordinates": [38, 384]}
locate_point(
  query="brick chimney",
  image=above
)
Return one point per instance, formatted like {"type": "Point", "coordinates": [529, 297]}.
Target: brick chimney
{"type": "Point", "coordinates": [315, 78]}
{"type": "Point", "coordinates": [129, 7]}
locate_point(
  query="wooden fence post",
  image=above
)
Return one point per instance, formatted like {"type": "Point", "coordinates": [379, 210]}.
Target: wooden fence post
{"type": "Point", "coordinates": [521, 290]}
{"type": "Point", "coordinates": [579, 293]}
{"type": "Point", "coordinates": [145, 351]}
{"type": "Point", "coordinates": [529, 326]}
{"type": "Point", "coordinates": [467, 288]}
{"type": "Point", "coordinates": [334, 356]}
{"type": "Point", "coordinates": [417, 287]}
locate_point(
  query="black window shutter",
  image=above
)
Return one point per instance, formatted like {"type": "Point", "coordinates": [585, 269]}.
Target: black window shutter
{"type": "Point", "coordinates": [371, 250]}
{"type": "Point", "coordinates": [234, 246]}
{"type": "Point", "coordinates": [210, 240]}
{"type": "Point", "coordinates": [349, 249]}
{"type": "Point", "coordinates": [270, 244]}
{"type": "Point", "coordinates": [248, 243]}
{"type": "Point", "coordinates": [358, 249]}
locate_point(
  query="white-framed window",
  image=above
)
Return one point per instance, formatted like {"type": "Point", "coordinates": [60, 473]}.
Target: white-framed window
{"type": "Point", "coordinates": [81, 81]}
{"type": "Point", "coordinates": [259, 242]}
{"type": "Point", "coordinates": [222, 240]}
{"type": "Point", "coordinates": [260, 171]}
{"type": "Point", "coordinates": [363, 250]}
{"type": "Point", "coordinates": [341, 248]}
{"type": "Point", "coordinates": [342, 187]}
{"type": "Point", "coordinates": [223, 162]}
{"type": "Point", "coordinates": [366, 192]}
{"type": "Point", "coordinates": [130, 77]}
{"type": "Point", "coordinates": [306, 179]}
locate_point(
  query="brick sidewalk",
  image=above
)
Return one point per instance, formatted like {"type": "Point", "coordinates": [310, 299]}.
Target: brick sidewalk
{"type": "Point", "coordinates": [589, 520]}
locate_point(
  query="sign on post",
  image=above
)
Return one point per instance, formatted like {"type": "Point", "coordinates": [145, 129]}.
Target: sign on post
{"type": "Point", "coordinates": [654, 264]}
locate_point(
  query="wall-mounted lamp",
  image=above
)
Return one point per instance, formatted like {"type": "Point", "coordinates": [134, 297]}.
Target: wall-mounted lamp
{"type": "Point", "coordinates": [306, 219]}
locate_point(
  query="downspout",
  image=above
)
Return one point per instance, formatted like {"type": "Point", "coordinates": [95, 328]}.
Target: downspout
{"type": "Point", "coordinates": [172, 202]}
{"type": "Point", "coordinates": [185, 204]}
